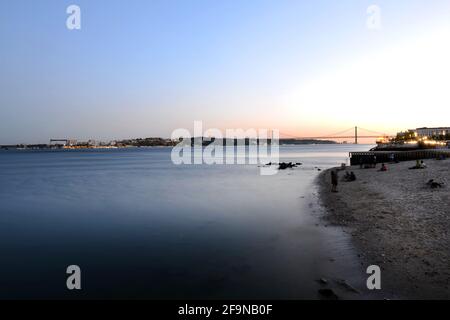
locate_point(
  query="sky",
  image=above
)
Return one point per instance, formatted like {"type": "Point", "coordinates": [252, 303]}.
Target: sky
{"type": "Point", "coordinates": [144, 68]}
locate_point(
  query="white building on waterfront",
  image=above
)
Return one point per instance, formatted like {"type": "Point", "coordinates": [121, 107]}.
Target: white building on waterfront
{"type": "Point", "coordinates": [430, 132]}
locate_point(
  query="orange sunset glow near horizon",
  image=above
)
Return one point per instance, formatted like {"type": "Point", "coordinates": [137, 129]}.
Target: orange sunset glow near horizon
{"type": "Point", "coordinates": [308, 70]}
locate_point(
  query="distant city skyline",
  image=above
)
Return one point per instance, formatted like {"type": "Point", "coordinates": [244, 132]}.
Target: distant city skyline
{"type": "Point", "coordinates": [145, 68]}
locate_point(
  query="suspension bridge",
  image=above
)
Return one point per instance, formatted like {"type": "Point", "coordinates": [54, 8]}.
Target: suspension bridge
{"type": "Point", "coordinates": [350, 133]}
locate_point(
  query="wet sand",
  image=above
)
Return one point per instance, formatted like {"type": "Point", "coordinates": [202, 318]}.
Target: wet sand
{"type": "Point", "coordinates": [399, 223]}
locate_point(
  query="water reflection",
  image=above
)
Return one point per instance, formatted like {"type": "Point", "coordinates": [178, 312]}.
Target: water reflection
{"type": "Point", "coordinates": [140, 227]}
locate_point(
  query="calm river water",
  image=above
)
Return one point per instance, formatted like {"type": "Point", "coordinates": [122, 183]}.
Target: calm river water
{"type": "Point", "coordinates": [141, 227]}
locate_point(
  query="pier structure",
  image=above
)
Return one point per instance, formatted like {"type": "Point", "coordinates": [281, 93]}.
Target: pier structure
{"type": "Point", "coordinates": [357, 158]}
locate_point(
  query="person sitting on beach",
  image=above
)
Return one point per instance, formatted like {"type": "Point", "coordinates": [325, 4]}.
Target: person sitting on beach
{"type": "Point", "coordinates": [422, 164]}
{"type": "Point", "coordinates": [419, 165]}
{"type": "Point", "coordinates": [349, 176]}
{"type": "Point", "coordinates": [334, 181]}
{"type": "Point", "coordinates": [383, 167]}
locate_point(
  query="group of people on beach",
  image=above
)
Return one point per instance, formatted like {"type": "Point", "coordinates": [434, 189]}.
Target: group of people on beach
{"type": "Point", "coordinates": [370, 161]}
{"type": "Point", "coordinates": [349, 177]}
{"type": "Point", "coordinates": [364, 163]}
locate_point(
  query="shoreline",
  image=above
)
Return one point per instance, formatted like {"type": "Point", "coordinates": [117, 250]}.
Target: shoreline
{"type": "Point", "coordinates": [397, 222]}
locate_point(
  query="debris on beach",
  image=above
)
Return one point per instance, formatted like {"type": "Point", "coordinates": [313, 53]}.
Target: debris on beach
{"type": "Point", "coordinates": [433, 184]}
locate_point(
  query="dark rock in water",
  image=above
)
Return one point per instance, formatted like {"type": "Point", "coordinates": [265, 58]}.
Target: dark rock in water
{"type": "Point", "coordinates": [284, 165]}
{"type": "Point", "coordinates": [319, 169]}
{"type": "Point", "coordinates": [328, 293]}
{"type": "Point", "coordinates": [347, 286]}
{"type": "Point", "coordinates": [298, 163]}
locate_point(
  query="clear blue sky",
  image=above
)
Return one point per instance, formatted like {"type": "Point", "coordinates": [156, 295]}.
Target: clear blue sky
{"type": "Point", "coordinates": [145, 68]}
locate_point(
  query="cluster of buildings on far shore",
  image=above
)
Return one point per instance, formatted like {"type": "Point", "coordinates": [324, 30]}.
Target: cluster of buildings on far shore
{"type": "Point", "coordinates": [437, 137]}
{"type": "Point", "coordinates": [93, 144]}
{"type": "Point", "coordinates": [432, 132]}
{"type": "Point", "coordinates": [139, 142]}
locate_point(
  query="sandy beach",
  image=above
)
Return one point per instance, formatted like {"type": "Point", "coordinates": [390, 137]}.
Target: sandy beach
{"type": "Point", "coordinates": [397, 222]}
